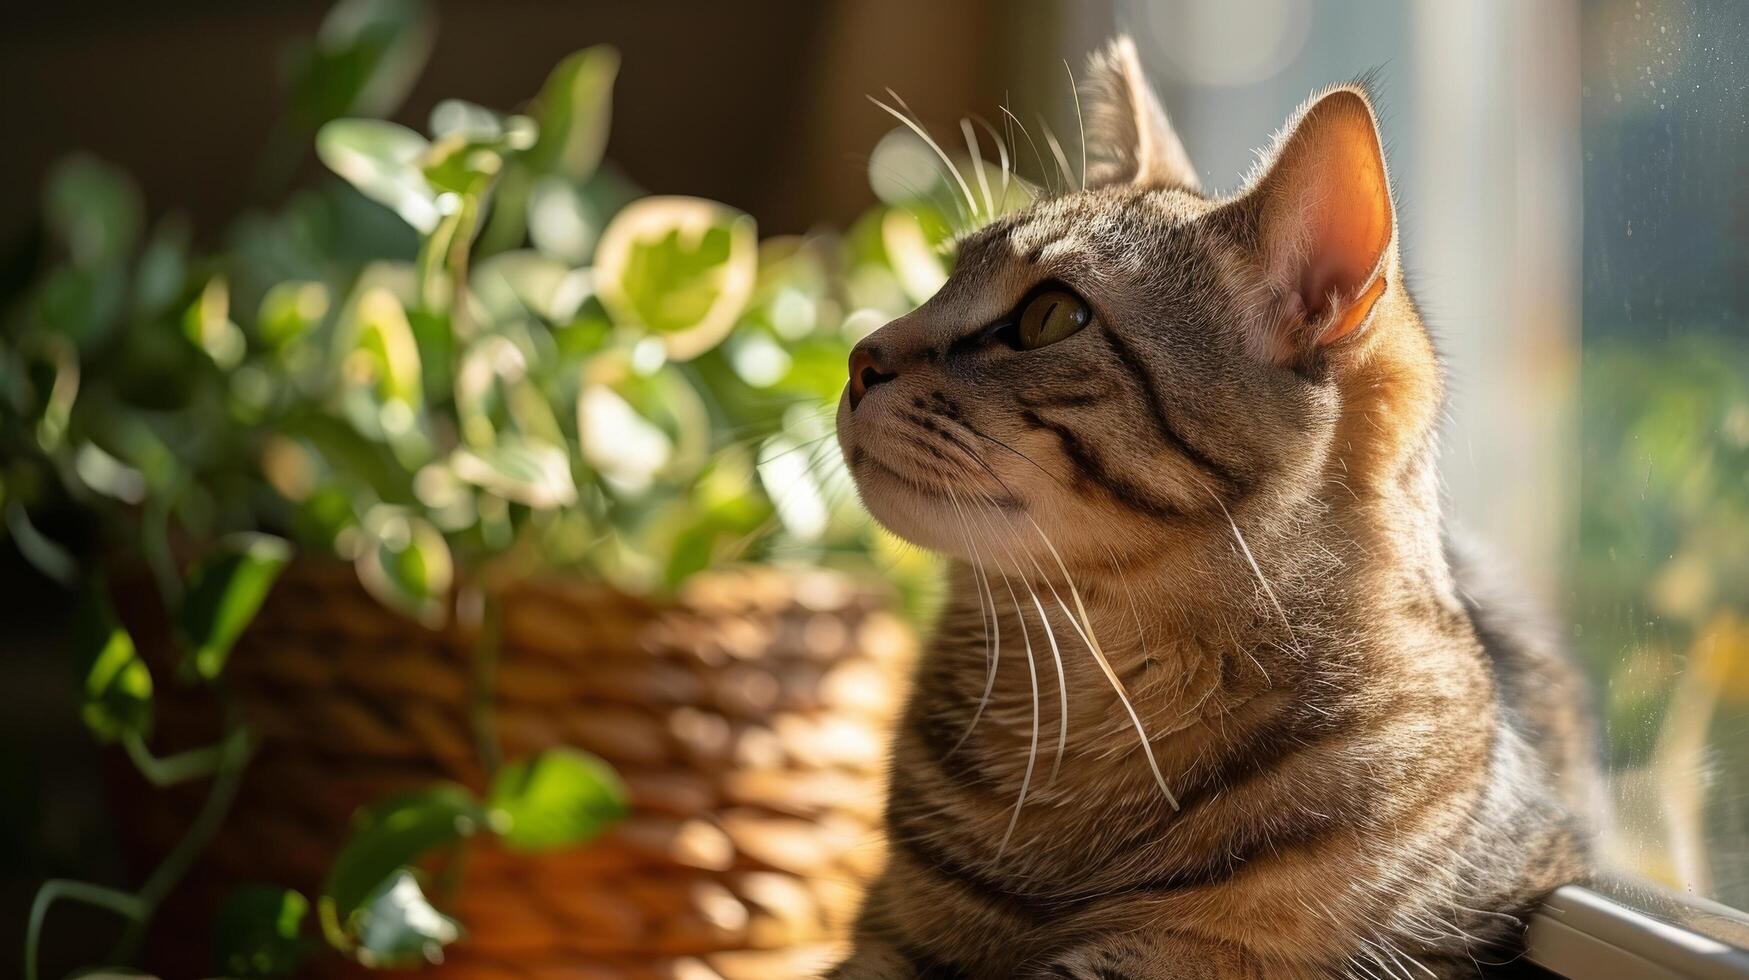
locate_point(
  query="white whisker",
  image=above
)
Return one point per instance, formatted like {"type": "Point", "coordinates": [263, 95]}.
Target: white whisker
{"type": "Point", "coordinates": [1057, 151]}
{"type": "Point", "coordinates": [1080, 124]}
{"type": "Point", "coordinates": [1044, 171]}
{"type": "Point", "coordinates": [992, 651]}
{"type": "Point", "coordinates": [916, 126]}
{"type": "Point", "coordinates": [1032, 751]}
{"type": "Point", "coordinates": [1092, 642]}
{"type": "Point", "coordinates": [1056, 660]}
{"type": "Point", "coordinates": [1262, 581]}
{"type": "Point", "coordinates": [978, 163]}
{"type": "Point", "coordinates": [1002, 154]}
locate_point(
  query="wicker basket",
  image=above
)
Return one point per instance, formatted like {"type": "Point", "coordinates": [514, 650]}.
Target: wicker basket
{"type": "Point", "coordinates": [748, 718]}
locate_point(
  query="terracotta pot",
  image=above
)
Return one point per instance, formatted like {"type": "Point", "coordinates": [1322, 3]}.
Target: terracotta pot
{"type": "Point", "coordinates": [748, 717]}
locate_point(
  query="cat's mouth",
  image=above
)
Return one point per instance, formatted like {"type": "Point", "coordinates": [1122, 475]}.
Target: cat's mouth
{"type": "Point", "coordinates": [878, 474]}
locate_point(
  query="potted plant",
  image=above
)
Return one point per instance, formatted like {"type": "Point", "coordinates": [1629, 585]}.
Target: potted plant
{"type": "Point", "coordinates": [451, 516]}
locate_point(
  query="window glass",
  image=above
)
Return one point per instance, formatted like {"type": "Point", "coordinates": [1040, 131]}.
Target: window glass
{"type": "Point", "coordinates": [1661, 573]}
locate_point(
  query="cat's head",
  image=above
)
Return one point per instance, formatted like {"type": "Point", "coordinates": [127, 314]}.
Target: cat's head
{"type": "Point", "coordinates": [1121, 364]}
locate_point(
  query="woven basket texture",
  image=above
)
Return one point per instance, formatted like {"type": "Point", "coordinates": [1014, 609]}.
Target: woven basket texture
{"type": "Point", "coordinates": [748, 717]}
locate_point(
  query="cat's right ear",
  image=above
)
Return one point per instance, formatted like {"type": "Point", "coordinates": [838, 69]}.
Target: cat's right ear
{"type": "Point", "coordinates": [1127, 129]}
{"type": "Point", "coordinates": [1325, 227]}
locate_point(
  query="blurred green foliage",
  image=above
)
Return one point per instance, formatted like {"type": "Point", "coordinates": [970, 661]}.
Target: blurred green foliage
{"type": "Point", "coordinates": [1664, 515]}
{"type": "Point", "coordinates": [1662, 581]}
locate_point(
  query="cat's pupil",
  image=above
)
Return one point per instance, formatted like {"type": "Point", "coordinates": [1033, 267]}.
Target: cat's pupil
{"type": "Point", "coordinates": [1050, 317]}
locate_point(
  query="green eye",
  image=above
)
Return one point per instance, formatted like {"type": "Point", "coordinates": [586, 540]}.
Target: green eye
{"type": "Point", "coordinates": [1051, 316]}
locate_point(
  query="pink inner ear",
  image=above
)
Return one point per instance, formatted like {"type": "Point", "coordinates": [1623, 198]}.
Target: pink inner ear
{"type": "Point", "coordinates": [1318, 280]}
{"type": "Point", "coordinates": [1330, 212]}
{"type": "Point", "coordinates": [1348, 239]}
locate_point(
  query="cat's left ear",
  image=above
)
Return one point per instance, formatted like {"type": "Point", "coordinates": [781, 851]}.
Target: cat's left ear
{"type": "Point", "coordinates": [1326, 227]}
{"type": "Point", "coordinates": [1127, 131]}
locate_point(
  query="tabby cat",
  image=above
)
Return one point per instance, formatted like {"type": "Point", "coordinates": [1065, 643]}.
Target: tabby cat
{"type": "Point", "coordinates": [1214, 694]}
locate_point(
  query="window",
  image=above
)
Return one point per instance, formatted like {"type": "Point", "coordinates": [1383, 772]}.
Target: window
{"type": "Point", "coordinates": [1574, 201]}
{"type": "Point", "coordinates": [1661, 576]}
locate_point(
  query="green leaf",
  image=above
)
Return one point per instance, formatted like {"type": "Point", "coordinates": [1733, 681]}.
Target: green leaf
{"type": "Point", "coordinates": [84, 304]}
{"type": "Point", "coordinates": [94, 209]}
{"type": "Point", "coordinates": [57, 370]}
{"type": "Point", "coordinates": [379, 356]}
{"type": "Point", "coordinates": [399, 927]}
{"type": "Point", "coordinates": [788, 475]}
{"type": "Point", "coordinates": [525, 471]}
{"type": "Point", "coordinates": [644, 428]}
{"type": "Point", "coordinates": [116, 686]}
{"type": "Point", "coordinates": [162, 269]}
{"type": "Point", "coordinates": [507, 219]}
{"type": "Point", "coordinates": [459, 117]}
{"type": "Point", "coordinates": [384, 161]}
{"type": "Point", "coordinates": [289, 311]}
{"type": "Point", "coordinates": [456, 166]}
{"type": "Point", "coordinates": [393, 833]}
{"type": "Point", "coordinates": [107, 475]}
{"type": "Point", "coordinates": [365, 60]}
{"type": "Point", "coordinates": [520, 283]}
{"type": "Point", "coordinates": [562, 222]}
{"type": "Point", "coordinates": [259, 932]}
{"type": "Point", "coordinates": [619, 441]}
{"type": "Point", "coordinates": [680, 267]}
{"type": "Point", "coordinates": [224, 594]}
{"type": "Point", "coordinates": [559, 798]}
{"type": "Point", "coordinates": [574, 109]}
{"type": "Point", "coordinates": [405, 563]}
{"type": "Point", "coordinates": [208, 325]}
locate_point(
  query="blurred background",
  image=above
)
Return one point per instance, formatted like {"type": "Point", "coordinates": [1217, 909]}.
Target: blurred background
{"type": "Point", "coordinates": [1574, 199]}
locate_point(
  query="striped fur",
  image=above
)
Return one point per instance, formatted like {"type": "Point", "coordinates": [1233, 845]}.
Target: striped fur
{"type": "Point", "coordinates": [1212, 696]}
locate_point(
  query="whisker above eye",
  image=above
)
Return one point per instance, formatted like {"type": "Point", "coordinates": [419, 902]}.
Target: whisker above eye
{"type": "Point", "coordinates": [1081, 124]}
{"type": "Point", "coordinates": [910, 119]}
{"type": "Point", "coordinates": [1044, 171]}
{"type": "Point", "coordinates": [1002, 154]}
{"type": "Point", "coordinates": [977, 153]}
{"type": "Point", "coordinates": [1057, 151]}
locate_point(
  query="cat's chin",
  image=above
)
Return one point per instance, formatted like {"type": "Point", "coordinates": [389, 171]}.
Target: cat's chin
{"type": "Point", "coordinates": [903, 505]}
{"type": "Point", "coordinates": [935, 518]}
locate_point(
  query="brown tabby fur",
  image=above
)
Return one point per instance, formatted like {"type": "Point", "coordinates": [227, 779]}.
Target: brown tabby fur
{"type": "Point", "coordinates": [1375, 773]}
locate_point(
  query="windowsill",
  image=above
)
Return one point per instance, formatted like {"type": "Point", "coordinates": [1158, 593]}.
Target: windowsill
{"type": "Point", "coordinates": [1583, 933]}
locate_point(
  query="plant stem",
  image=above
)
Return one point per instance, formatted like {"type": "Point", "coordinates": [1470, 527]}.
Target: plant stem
{"type": "Point", "coordinates": [483, 687]}
{"type": "Point", "coordinates": [467, 225]}
{"type": "Point", "coordinates": [228, 759]}
{"type": "Point", "coordinates": [119, 902]}
{"type": "Point", "coordinates": [173, 769]}
{"type": "Point", "coordinates": [155, 542]}
{"type": "Point", "coordinates": [234, 756]}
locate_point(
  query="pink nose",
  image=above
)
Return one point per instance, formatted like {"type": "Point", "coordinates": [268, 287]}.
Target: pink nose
{"type": "Point", "coordinates": [866, 371]}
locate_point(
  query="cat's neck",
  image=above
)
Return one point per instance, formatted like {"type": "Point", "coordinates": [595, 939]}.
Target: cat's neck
{"type": "Point", "coordinates": [1240, 619]}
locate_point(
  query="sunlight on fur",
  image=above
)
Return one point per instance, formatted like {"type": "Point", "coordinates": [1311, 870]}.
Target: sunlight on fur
{"type": "Point", "coordinates": [1185, 444]}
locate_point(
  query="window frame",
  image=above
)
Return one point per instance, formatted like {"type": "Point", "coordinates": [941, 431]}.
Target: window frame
{"type": "Point", "coordinates": [1580, 932]}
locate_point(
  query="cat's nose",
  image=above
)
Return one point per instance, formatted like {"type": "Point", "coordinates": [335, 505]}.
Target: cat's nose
{"type": "Point", "coordinates": [866, 370]}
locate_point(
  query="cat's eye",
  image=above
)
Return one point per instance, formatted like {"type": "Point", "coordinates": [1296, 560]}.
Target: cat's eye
{"type": "Point", "coordinates": [1050, 316]}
